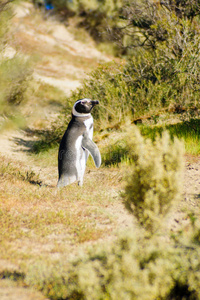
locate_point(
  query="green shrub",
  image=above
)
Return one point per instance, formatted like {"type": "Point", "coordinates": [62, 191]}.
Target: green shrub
{"type": "Point", "coordinates": [115, 153]}
{"type": "Point", "coordinates": [130, 268]}
{"type": "Point", "coordinates": [119, 94]}
{"type": "Point", "coordinates": [145, 84]}
{"type": "Point", "coordinates": [155, 178]}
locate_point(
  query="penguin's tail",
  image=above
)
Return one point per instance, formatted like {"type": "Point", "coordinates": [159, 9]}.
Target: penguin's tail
{"type": "Point", "coordinates": [65, 180]}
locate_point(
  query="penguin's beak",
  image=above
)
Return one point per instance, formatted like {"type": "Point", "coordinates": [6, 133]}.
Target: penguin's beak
{"type": "Point", "coordinates": [94, 102]}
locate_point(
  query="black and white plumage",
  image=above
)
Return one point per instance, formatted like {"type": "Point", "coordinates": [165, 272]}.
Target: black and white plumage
{"type": "Point", "coordinates": [77, 144]}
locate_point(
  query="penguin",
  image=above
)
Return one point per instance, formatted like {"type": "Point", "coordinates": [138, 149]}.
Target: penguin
{"type": "Point", "coordinates": [77, 144]}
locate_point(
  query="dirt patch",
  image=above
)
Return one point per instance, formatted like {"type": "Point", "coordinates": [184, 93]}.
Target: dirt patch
{"type": "Point", "coordinates": [63, 60]}
{"type": "Point", "coordinates": [9, 292]}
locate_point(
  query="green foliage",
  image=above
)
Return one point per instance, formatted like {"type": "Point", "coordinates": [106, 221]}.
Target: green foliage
{"type": "Point", "coordinates": [120, 92]}
{"type": "Point", "coordinates": [115, 153]}
{"type": "Point", "coordinates": [130, 268]}
{"type": "Point", "coordinates": [183, 9]}
{"type": "Point", "coordinates": [150, 24]}
{"type": "Point", "coordinates": [108, 84]}
{"type": "Point", "coordinates": [154, 180]}
{"type": "Point", "coordinates": [162, 79]}
{"type": "Point", "coordinates": [189, 131]}
{"type": "Point", "coordinates": [144, 84]}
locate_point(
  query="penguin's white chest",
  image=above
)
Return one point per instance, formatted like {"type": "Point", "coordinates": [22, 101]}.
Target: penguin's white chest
{"type": "Point", "coordinates": [89, 126]}
{"type": "Point", "coordinates": [82, 154]}
{"type": "Point", "coordinates": [80, 158]}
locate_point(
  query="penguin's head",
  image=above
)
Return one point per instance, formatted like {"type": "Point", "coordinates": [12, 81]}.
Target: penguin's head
{"type": "Point", "coordinates": [83, 107]}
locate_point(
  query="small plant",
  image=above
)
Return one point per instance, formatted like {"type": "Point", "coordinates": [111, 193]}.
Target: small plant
{"type": "Point", "coordinates": [115, 153]}
{"type": "Point", "coordinates": [155, 178]}
{"type": "Point", "coordinates": [10, 171]}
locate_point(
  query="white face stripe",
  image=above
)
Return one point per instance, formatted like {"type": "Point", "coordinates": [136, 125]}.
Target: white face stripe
{"type": "Point", "coordinates": [77, 114]}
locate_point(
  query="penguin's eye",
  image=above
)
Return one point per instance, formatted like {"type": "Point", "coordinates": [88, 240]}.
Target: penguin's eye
{"type": "Point", "coordinates": [83, 102]}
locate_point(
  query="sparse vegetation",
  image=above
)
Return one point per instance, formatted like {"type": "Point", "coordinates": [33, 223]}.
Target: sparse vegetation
{"type": "Point", "coordinates": [99, 18]}
{"type": "Point", "coordinates": [132, 268]}
{"type": "Point", "coordinates": [15, 74]}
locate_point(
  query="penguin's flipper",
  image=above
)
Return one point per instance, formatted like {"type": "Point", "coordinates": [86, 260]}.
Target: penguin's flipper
{"type": "Point", "coordinates": [88, 144]}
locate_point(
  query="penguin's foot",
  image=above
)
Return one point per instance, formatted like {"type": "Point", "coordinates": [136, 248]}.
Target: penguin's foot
{"type": "Point", "coordinates": [80, 182]}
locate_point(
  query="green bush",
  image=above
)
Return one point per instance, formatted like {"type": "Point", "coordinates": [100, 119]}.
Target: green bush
{"type": "Point", "coordinates": [145, 84]}
{"type": "Point", "coordinates": [120, 92]}
{"type": "Point", "coordinates": [115, 153]}
{"type": "Point", "coordinates": [130, 268]}
{"type": "Point", "coordinates": [149, 24]}
{"type": "Point", "coordinates": [155, 178]}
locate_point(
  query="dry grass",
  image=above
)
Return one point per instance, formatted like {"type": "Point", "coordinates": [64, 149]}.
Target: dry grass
{"type": "Point", "coordinates": [42, 227]}
{"type": "Point", "coordinates": [41, 220]}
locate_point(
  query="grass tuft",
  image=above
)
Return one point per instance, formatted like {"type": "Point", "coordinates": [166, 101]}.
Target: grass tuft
{"type": "Point", "coordinates": [188, 131]}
